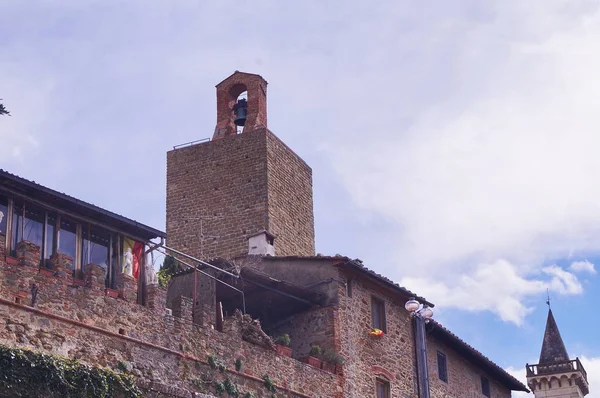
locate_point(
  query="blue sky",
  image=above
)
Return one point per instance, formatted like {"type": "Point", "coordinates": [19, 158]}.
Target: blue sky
{"type": "Point", "coordinates": [453, 144]}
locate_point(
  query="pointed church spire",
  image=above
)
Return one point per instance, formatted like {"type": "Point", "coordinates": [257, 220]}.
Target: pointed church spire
{"type": "Point", "coordinates": [553, 347]}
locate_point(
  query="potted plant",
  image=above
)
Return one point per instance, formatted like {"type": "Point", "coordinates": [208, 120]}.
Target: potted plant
{"type": "Point", "coordinates": [282, 345]}
{"type": "Point", "coordinates": [331, 360]}
{"type": "Point", "coordinates": [376, 333]}
{"type": "Point", "coordinates": [313, 358]}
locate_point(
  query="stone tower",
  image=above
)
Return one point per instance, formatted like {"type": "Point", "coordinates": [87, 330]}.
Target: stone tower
{"type": "Point", "coordinates": [556, 375]}
{"type": "Point", "coordinates": [238, 186]}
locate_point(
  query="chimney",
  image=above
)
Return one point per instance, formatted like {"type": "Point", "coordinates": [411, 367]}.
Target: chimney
{"type": "Point", "coordinates": [261, 244]}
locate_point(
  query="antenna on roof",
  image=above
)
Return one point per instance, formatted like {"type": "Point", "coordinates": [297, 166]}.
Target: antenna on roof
{"type": "Point", "coordinates": [548, 297]}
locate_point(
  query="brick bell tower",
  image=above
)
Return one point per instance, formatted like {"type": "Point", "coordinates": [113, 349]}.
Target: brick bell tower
{"type": "Point", "coordinates": [239, 186]}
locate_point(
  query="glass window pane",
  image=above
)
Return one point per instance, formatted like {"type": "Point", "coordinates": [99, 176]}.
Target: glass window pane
{"type": "Point", "coordinates": [378, 314]}
{"type": "Point", "coordinates": [3, 214]}
{"type": "Point", "coordinates": [17, 227]}
{"type": "Point", "coordinates": [67, 241]}
{"type": "Point", "coordinates": [96, 244]}
{"type": "Point", "coordinates": [382, 388]}
{"type": "Point", "coordinates": [33, 230]}
{"type": "Point", "coordinates": [49, 239]}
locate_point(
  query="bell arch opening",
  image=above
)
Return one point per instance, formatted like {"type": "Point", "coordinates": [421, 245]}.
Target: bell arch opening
{"type": "Point", "coordinates": [238, 95]}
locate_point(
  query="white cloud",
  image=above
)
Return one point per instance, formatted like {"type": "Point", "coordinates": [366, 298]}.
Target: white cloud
{"type": "Point", "coordinates": [495, 286]}
{"type": "Point", "coordinates": [583, 266]}
{"type": "Point", "coordinates": [501, 166]}
{"type": "Point", "coordinates": [592, 367]}
{"type": "Point", "coordinates": [563, 281]}
{"type": "Point", "coordinates": [519, 374]}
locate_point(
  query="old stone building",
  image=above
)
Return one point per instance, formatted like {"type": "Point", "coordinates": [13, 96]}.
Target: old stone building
{"type": "Point", "coordinates": [75, 282]}
{"type": "Point", "coordinates": [556, 375]}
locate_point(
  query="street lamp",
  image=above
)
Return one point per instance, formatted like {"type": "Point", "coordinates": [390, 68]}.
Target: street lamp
{"type": "Point", "coordinates": [421, 313]}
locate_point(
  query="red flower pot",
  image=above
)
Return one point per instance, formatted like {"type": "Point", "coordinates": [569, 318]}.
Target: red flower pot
{"type": "Point", "coordinates": [329, 367]}
{"type": "Point", "coordinates": [312, 361]}
{"type": "Point", "coordinates": [283, 350]}
{"type": "Point", "coordinates": [46, 272]}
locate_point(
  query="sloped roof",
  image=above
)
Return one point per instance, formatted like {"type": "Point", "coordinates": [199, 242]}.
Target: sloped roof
{"type": "Point", "coordinates": [438, 331]}
{"type": "Point", "coordinates": [553, 347]}
{"type": "Point", "coordinates": [340, 260]}
{"type": "Point", "coordinates": [237, 72]}
{"type": "Point", "coordinates": [57, 199]}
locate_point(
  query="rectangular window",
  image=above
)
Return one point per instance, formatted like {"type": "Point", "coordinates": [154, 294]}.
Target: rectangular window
{"type": "Point", "coordinates": [349, 287]}
{"type": "Point", "coordinates": [28, 224]}
{"type": "Point", "coordinates": [17, 227]}
{"type": "Point", "coordinates": [383, 388]}
{"type": "Point", "coordinates": [442, 366]}
{"type": "Point", "coordinates": [67, 239]}
{"type": "Point", "coordinates": [34, 225]}
{"type": "Point", "coordinates": [3, 214]}
{"type": "Point", "coordinates": [378, 314]}
{"type": "Point", "coordinates": [49, 239]}
{"type": "Point", "coordinates": [485, 386]}
{"type": "Point", "coordinates": [96, 248]}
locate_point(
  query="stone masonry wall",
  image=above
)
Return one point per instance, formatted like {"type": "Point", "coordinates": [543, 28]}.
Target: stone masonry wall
{"type": "Point", "coordinates": [390, 357]}
{"type": "Point", "coordinates": [167, 354]}
{"type": "Point", "coordinates": [241, 184]}
{"type": "Point", "coordinates": [224, 181]}
{"type": "Point", "coordinates": [311, 327]}
{"type": "Point", "coordinates": [291, 217]}
{"type": "Point", "coordinates": [464, 380]}
{"type": "Point", "coordinates": [183, 285]}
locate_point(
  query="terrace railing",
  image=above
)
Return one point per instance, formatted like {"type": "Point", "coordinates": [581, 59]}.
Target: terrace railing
{"type": "Point", "coordinates": [556, 367]}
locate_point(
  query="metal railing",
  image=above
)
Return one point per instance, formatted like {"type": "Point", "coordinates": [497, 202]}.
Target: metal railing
{"type": "Point", "coordinates": [573, 365]}
{"type": "Point", "coordinates": [191, 143]}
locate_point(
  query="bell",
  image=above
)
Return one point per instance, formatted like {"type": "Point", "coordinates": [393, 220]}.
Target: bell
{"type": "Point", "coordinates": [240, 109]}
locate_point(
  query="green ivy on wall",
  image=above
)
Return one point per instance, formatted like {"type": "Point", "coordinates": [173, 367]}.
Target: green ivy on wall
{"type": "Point", "coordinates": [25, 373]}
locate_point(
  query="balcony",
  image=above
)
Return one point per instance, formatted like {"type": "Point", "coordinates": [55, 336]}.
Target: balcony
{"type": "Point", "coordinates": [560, 367]}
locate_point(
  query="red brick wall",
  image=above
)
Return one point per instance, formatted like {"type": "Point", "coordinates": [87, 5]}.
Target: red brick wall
{"type": "Point", "coordinates": [246, 183]}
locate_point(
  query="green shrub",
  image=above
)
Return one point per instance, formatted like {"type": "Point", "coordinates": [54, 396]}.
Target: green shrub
{"type": "Point", "coordinates": [25, 373]}
{"type": "Point", "coordinates": [284, 340]}
{"type": "Point", "coordinates": [316, 351]}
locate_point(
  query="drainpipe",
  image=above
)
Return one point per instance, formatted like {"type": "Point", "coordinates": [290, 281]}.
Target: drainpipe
{"type": "Point", "coordinates": [421, 348]}
{"type": "Point", "coordinates": [421, 314]}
